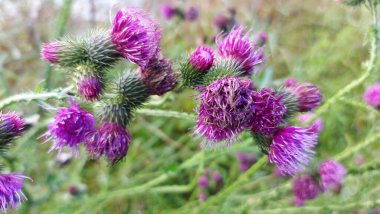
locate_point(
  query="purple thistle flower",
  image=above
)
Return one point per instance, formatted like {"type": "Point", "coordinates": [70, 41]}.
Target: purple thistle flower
{"type": "Point", "coordinates": [316, 126]}
{"type": "Point", "coordinates": [217, 177]}
{"type": "Point", "coordinates": [290, 82]}
{"type": "Point", "coordinates": [269, 112]}
{"type": "Point", "coordinates": [191, 14]}
{"type": "Point", "coordinates": [307, 94]}
{"type": "Point", "coordinates": [202, 58]}
{"type": "Point", "coordinates": [110, 140]}
{"type": "Point", "coordinates": [49, 51]}
{"type": "Point", "coordinates": [237, 47]}
{"type": "Point", "coordinates": [262, 38]}
{"type": "Point", "coordinates": [290, 148]}
{"type": "Point", "coordinates": [372, 95]}
{"type": "Point", "coordinates": [278, 173]}
{"type": "Point", "coordinates": [224, 108]}
{"type": "Point", "coordinates": [10, 190]}
{"type": "Point", "coordinates": [202, 182]}
{"type": "Point", "coordinates": [331, 174]}
{"type": "Point", "coordinates": [304, 188]}
{"type": "Point", "coordinates": [135, 36]}
{"type": "Point", "coordinates": [11, 126]}
{"type": "Point", "coordinates": [158, 76]}
{"type": "Point", "coordinates": [90, 88]}
{"type": "Point", "coordinates": [221, 22]}
{"type": "Point", "coordinates": [245, 160]}
{"type": "Point", "coordinates": [167, 11]}
{"type": "Point", "coordinates": [202, 197]}
{"type": "Point", "coordinates": [71, 126]}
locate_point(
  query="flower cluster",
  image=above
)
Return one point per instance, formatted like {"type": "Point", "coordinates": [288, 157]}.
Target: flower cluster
{"type": "Point", "coordinates": [11, 126]}
{"type": "Point", "coordinates": [209, 183]}
{"type": "Point", "coordinates": [189, 14]}
{"type": "Point", "coordinates": [133, 36]}
{"type": "Point", "coordinates": [229, 102]}
{"type": "Point", "coordinates": [372, 95]}
{"type": "Point", "coordinates": [305, 187]}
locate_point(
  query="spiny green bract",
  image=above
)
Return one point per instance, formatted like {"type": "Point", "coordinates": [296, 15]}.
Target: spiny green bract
{"type": "Point", "coordinates": [263, 142]}
{"type": "Point", "coordinates": [94, 49]}
{"type": "Point", "coordinates": [289, 100]}
{"type": "Point", "coordinates": [190, 77]}
{"type": "Point", "coordinates": [132, 89]}
{"type": "Point", "coordinates": [221, 69]}
{"type": "Point", "coordinates": [114, 111]}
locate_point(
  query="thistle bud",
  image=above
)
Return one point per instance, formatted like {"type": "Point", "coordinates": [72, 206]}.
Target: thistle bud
{"type": "Point", "coordinates": [50, 51]}
{"type": "Point", "coordinates": [306, 94]}
{"type": "Point", "coordinates": [191, 14]}
{"type": "Point", "coordinates": [11, 127]}
{"type": "Point", "coordinates": [202, 58]}
{"type": "Point", "coordinates": [89, 82]}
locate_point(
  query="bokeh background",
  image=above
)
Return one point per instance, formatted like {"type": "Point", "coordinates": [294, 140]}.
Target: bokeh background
{"type": "Point", "coordinates": [323, 42]}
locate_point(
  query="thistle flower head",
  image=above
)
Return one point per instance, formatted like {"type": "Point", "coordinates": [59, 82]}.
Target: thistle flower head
{"type": "Point", "coordinates": [269, 112]}
{"type": "Point", "coordinates": [191, 14]}
{"type": "Point", "coordinates": [110, 140]}
{"type": "Point", "coordinates": [167, 11]}
{"type": "Point", "coordinates": [224, 108]}
{"type": "Point", "coordinates": [316, 126]}
{"type": "Point", "coordinates": [245, 160]}
{"type": "Point", "coordinates": [202, 182]}
{"type": "Point", "coordinates": [307, 94]}
{"type": "Point", "coordinates": [158, 76]}
{"type": "Point", "coordinates": [331, 174]}
{"type": "Point", "coordinates": [290, 82]}
{"type": "Point", "coordinates": [237, 47]}
{"type": "Point", "coordinates": [202, 197]}
{"type": "Point", "coordinates": [304, 188]}
{"type": "Point", "coordinates": [291, 147]}
{"type": "Point", "coordinates": [221, 22]}
{"type": "Point", "coordinates": [217, 177]}
{"type": "Point", "coordinates": [49, 51]}
{"type": "Point", "coordinates": [10, 190]}
{"type": "Point", "coordinates": [90, 88]}
{"type": "Point", "coordinates": [70, 127]}
{"type": "Point", "coordinates": [372, 95]}
{"type": "Point", "coordinates": [11, 126]}
{"type": "Point", "coordinates": [135, 36]}
{"type": "Point", "coordinates": [202, 58]}
{"type": "Point", "coordinates": [262, 38]}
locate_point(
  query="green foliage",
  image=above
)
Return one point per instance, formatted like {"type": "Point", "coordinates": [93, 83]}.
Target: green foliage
{"type": "Point", "coordinates": [354, 2]}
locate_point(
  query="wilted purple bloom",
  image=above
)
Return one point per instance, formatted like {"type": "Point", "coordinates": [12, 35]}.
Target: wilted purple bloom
{"type": "Point", "coordinates": [237, 47]}
{"type": "Point", "coordinates": [110, 140]}
{"type": "Point", "coordinates": [304, 188]}
{"type": "Point", "coordinates": [269, 112]}
{"type": "Point", "coordinates": [331, 174]}
{"type": "Point", "coordinates": [49, 51]}
{"type": "Point", "coordinates": [11, 126]}
{"type": "Point", "coordinates": [191, 14]}
{"type": "Point", "coordinates": [217, 177]}
{"type": "Point", "coordinates": [225, 107]}
{"type": "Point", "coordinates": [202, 182]}
{"type": "Point", "coordinates": [316, 126]}
{"type": "Point", "coordinates": [70, 127]}
{"type": "Point", "coordinates": [90, 88]}
{"type": "Point", "coordinates": [262, 38]}
{"type": "Point", "coordinates": [245, 160]}
{"type": "Point", "coordinates": [372, 95]}
{"type": "Point", "coordinates": [10, 190]}
{"type": "Point", "coordinates": [202, 58]}
{"type": "Point", "coordinates": [135, 36]}
{"type": "Point", "coordinates": [221, 22]}
{"type": "Point", "coordinates": [291, 148]}
{"type": "Point", "coordinates": [307, 94]}
{"type": "Point", "coordinates": [202, 197]}
{"type": "Point", "coordinates": [158, 76]}
{"type": "Point", "coordinates": [167, 11]}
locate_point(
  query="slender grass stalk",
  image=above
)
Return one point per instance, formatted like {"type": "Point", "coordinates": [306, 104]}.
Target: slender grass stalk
{"type": "Point", "coordinates": [164, 113]}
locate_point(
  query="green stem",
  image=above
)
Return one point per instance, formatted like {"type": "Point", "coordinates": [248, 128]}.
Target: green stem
{"type": "Point", "coordinates": [164, 113]}
{"type": "Point", "coordinates": [371, 67]}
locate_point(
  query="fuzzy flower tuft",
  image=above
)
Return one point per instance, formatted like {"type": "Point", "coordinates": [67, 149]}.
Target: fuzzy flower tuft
{"type": "Point", "coordinates": [304, 188]}
{"type": "Point", "coordinates": [70, 127]}
{"type": "Point", "coordinates": [49, 52]}
{"type": "Point", "coordinates": [167, 11]}
{"type": "Point", "coordinates": [158, 76]}
{"type": "Point", "coordinates": [237, 47]}
{"type": "Point", "coordinates": [307, 94]}
{"type": "Point", "coordinates": [224, 108]}
{"type": "Point", "coordinates": [331, 174]}
{"type": "Point", "coordinates": [372, 95]}
{"type": "Point", "coordinates": [11, 126]}
{"type": "Point", "coordinates": [111, 141]}
{"type": "Point", "coordinates": [202, 58]}
{"type": "Point", "coordinates": [291, 147]}
{"type": "Point", "coordinates": [90, 88]}
{"type": "Point", "coordinates": [10, 190]}
{"type": "Point", "coordinates": [135, 36]}
{"type": "Point", "coordinates": [269, 112]}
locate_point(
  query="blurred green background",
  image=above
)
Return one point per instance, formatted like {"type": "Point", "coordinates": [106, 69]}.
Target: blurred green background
{"type": "Point", "coordinates": [323, 42]}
